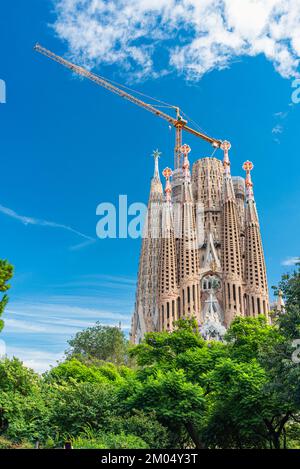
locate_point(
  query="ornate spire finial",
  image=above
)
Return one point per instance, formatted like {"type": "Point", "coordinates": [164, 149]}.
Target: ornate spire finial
{"type": "Point", "coordinates": [248, 166]}
{"type": "Point", "coordinates": [225, 146]}
{"type": "Point", "coordinates": [280, 301]}
{"type": "Point", "coordinates": [167, 173]}
{"type": "Point", "coordinates": [185, 150]}
{"type": "Point", "coordinates": [156, 154]}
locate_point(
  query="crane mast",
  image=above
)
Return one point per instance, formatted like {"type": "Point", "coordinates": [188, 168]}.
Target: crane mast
{"type": "Point", "coordinates": [179, 123]}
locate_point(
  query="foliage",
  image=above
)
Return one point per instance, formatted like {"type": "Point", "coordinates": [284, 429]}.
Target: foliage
{"type": "Point", "coordinates": [5, 443]}
{"type": "Point", "coordinates": [90, 440]}
{"type": "Point", "coordinates": [101, 343]}
{"type": "Point", "coordinates": [6, 273]}
{"type": "Point", "coordinates": [75, 370]}
{"type": "Point", "coordinates": [183, 391]}
{"type": "Point", "coordinates": [289, 322]}
{"type": "Point", "coordinates": [249, 337]}
{"type": "Point", "coordinates": [142, 424]}
{"type": "Point", "coordinates": [77, 405]}
{"type": "Point", "coordinates": [14, 377]}
{"type": "Point", "coordinates": [23, 407]}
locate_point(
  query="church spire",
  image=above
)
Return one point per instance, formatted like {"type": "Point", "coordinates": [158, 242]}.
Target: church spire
{"type": "Point", "coordinates": [185, 150]}
{"type": "Point", "coordinates": [188, 258]}
{"type": "Point", "coordinates": [156, 189]}
{"type": "Point", "coordinates": [255, 270]}
{"type": "Point", "coordinates": [231, 255]}
{"type": "Point", "coordinates": [280, 304]}
{"type": "Point", "coordinates": [145, 317]}
{"type": "Point", "coordinates": [225, 146]}
{"type": "Point", "coordinates": [156, 155]}
{"type": "Point", "coordinates": [168, 288]}
{"type": "Point", "coordinates": [248, 166]}
{"type": "Point", "coordinates": [167, 173]}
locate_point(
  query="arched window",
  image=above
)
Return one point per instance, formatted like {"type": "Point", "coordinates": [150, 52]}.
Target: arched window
{"type": "Point", "coordinates": [211, 282]}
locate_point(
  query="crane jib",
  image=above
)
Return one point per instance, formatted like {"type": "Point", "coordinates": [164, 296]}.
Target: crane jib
{"type": "Point", "coordinates": [178, 123]}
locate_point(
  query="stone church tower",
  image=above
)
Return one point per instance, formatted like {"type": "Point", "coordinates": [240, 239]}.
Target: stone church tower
{"type": "Point", "coordinates": [202, 252]}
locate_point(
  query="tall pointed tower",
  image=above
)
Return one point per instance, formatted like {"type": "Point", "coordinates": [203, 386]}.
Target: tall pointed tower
{"type": "Point", "coordinates": [256, 288]}
{"type": "Point", "coordinates": [168, 275]}
{"type": "Point", "coordinates": [207, 260]}
{"type": "Point", "coordinates": [146, 315]}
{"type": "Point", "coordinates": [188, 258]}
{"type": "Point", "coordinates": [231, 246]}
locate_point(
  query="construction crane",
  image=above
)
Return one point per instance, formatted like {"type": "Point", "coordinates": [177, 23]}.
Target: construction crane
{"type": "Point", "coordinates": [178, 122]}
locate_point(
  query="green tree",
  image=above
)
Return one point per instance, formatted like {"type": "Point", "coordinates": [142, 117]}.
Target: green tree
{"type": "Point", "coordinates": [141, 424]}
{"type": "Point", "coordinates": [289, 322]}
{"type": "Point", "coordinates": [23, 406]}
{"type": "Point", "coordinates": [75, 370]}
{"type": "Point", "coordinates": [77, 405]}
{"type": "Point", "coordinates": [6, 273]}
{"type": "Point", "coordinates": [281, 364]}
{"type": "Point", "coordinates": [165, 387]}
{"type": "Point", "coordinates": [240, 406]}
{"type": "Point", "coordinates": [99, 343]}
{"type": "Point", "coordinates": [108, 440]}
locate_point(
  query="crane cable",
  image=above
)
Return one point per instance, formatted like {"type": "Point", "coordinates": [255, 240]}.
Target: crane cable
{"type": "Point", "coordinates": [164, 104]}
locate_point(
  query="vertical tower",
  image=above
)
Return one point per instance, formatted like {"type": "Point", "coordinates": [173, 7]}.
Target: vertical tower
{"type": "Point", "coordinates": [231, 247]}
{"type": "Point", "coordinates": [168, 288]}
{"type": "Point", "coordinates": [146, 317]}
{"type": "Point", "coordinates": [207, 181]}
{"type": "Point", "coordinates": [188, 258]}
{"type": "Point", "coordinates": [203, 254]}
{"type": "Point", "coordinates": [256, 289]}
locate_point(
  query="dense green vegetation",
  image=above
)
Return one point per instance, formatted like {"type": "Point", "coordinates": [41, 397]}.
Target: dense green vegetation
{"type": "Point", "coordinates": [6, 273]}
{"type": "Point", "coordinates": [174, 390]}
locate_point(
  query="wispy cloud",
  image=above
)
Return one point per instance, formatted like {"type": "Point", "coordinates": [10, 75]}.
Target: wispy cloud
{"type": "Point", "coordinates": [45, 322]}
{"type": "Point", "coordinates": [281, 114]}
{"type": "Point", "coordinates": [100, 281]}
{"type": "Point", "coordinates": [54, 318]}
{"type": "Point", "coordinates": [278, 129]}
{"type": "Point", "coordinates": [48, 323]}
{"type": "Point", "coordinates": [82, 245]}
{"type": "Point", "coordinates": [39, 222]}
{"type": "Point", "coordinates": [290, 261]}
{"type": "Point", "coordinates": [37, 359]}
{"type": "Point", "coordinates": [197, 36]}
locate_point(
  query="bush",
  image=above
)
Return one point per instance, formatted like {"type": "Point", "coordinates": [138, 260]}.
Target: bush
{"type": "Point", "coordinates": [90, 440]}
{"type": "Point", "coordinates": [8, 444]}
{"type": "Point", "coordinates": [145, 426]}
{"type": "Point", "coordinates": [76, 405]}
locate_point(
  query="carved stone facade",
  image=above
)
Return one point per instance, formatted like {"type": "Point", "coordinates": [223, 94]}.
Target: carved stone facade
{"type": "Point", "coordinates": [202, 252]}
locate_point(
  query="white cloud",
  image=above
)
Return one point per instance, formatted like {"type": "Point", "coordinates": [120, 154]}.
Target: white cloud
{"type": "Point", "coordinates": [278, 129]}
{"type": "Point", "coordinates": [198, 36]}
{"type": "Point", "coordinates": [49, 322]}
{"type": "Point", "coordinates": [36, 221]}
{"type": "Point", "coordinates": [36, 359]}
{"type": "Point", "coordinates": [290, 261]}
{"type": "Point", "coordinates": [100, 281]}
{"type": "Point", "coordinates": [281, 114]}
{"type": "Point", "coordinates": [57, 318]}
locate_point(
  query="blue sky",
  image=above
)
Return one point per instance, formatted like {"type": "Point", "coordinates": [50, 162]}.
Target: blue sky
{"type": "Point", "coordinates": [68, 145]}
